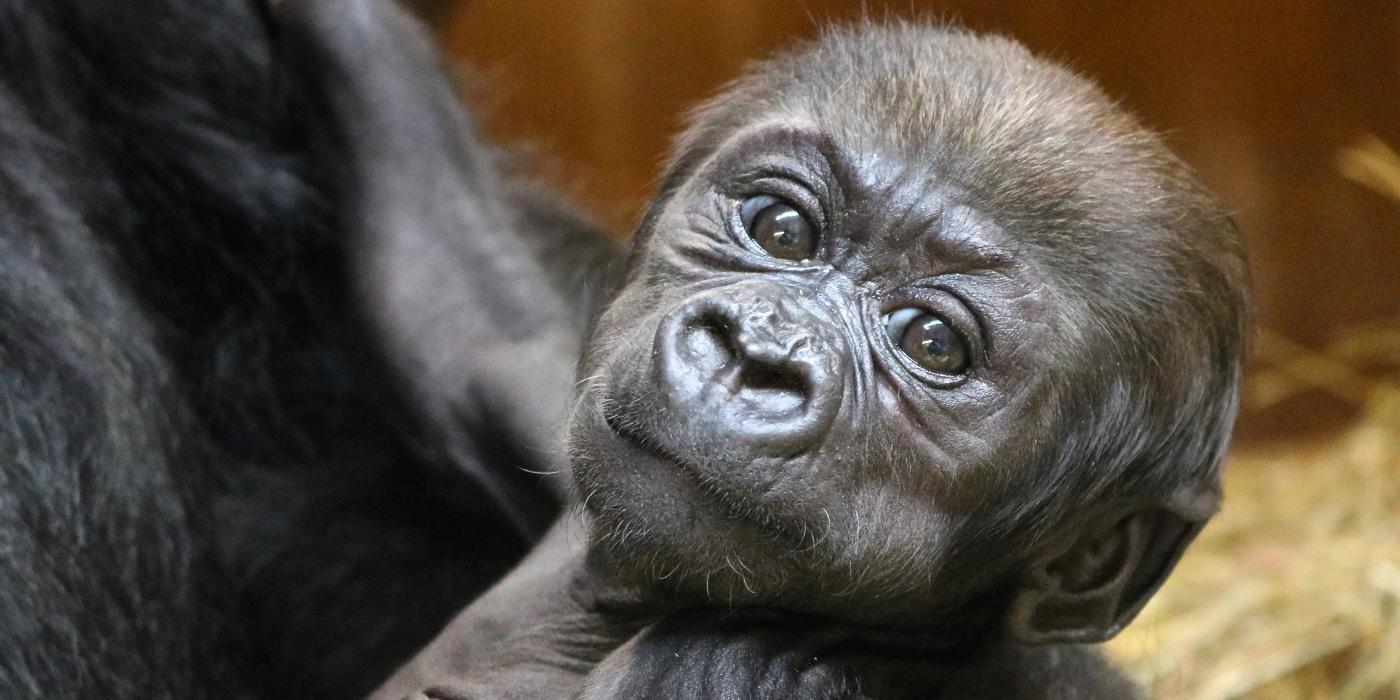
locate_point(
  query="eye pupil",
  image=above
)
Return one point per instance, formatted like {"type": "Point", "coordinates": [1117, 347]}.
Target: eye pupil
{"type": "Point", "coordinates": [779, 228]}
{"type": "Point", "coordinates": [933, 346]}
{"type": "Point", "coordinates": [785, 237]}
{"type": "Point", "coordinates": [928, 340]}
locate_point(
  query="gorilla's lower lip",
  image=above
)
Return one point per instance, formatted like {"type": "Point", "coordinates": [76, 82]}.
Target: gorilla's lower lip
{"type": "Point", "coordinates": [751, 514]}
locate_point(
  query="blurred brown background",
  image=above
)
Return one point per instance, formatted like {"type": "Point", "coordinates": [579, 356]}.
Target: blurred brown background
{"type": "Point", "coordinates": [1263, 97]}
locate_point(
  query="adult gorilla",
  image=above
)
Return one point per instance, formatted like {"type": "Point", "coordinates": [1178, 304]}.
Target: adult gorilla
{"type": "Point", "coordinates": [214, 479]}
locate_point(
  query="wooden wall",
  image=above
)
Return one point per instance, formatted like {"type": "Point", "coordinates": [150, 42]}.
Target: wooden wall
{"type": "Point", "coordinates": [1260, 96]}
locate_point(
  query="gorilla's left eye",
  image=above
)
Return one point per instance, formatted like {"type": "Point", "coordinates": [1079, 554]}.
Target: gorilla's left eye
{"type": "Point", "coordinates": [779, 228]}
{"type": "Point", "coordinates": [928, 339]}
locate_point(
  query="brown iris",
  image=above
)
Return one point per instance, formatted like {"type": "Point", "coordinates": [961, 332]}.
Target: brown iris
{"type": "Point", "coordinates": [779, 228]}
{"type": "Point", "coordinates": [928, 339]}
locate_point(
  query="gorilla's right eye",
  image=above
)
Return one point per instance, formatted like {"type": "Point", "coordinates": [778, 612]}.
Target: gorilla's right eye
{"type": "Point", "coordinates": [779, 228]}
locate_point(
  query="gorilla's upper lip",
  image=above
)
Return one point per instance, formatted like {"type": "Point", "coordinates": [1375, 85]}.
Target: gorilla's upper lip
{"type": "Point", "coordinates": [731, 505]}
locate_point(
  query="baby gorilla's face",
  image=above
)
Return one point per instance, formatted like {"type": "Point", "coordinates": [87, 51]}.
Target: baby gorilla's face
{"type": "Point", "coordinates": [843, 357]}
{"type": "Point", "coordinates": [809, 384]}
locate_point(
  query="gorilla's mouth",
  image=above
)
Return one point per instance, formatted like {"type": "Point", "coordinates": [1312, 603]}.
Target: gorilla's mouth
{"type": "Point", "coordinates": [730, 506]}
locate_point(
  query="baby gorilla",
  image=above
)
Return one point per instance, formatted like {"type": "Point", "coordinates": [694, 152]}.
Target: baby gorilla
{"type": "Point", "coordinates": [921, 371]}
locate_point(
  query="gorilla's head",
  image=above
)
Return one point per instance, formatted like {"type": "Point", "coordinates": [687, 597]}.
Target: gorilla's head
{"type": "Point", "coordinates": [916, 320]}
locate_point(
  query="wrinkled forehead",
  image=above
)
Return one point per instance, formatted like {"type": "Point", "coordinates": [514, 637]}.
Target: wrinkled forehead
{"type": "Point", "coordinates": [1023, 140]}
{"type": "Point", "coordinates": [1035, 149]}
{"type": "Point", "coordinates": [887, 203]}
{"type": "Point", "coordinates": [1030, 144]}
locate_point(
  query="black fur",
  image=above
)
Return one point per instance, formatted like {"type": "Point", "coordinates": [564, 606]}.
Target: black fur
{"type": "Point", "coordinates": [209, 484]}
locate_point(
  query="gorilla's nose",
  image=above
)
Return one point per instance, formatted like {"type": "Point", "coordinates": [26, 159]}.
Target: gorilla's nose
{"type": "Point", "coordinates": [751, 362]}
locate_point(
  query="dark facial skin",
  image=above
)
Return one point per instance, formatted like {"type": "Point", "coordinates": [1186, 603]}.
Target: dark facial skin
{"type": "Point", "coordinates": [924, 354]}
{"type": "Point", "coordinates": [759, 416]}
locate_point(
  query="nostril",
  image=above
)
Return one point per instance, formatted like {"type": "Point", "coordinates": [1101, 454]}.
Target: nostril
{"type": "Point", "coordinates": [774, 391]}
{"type": "Point", "coordinates": [770, 378]}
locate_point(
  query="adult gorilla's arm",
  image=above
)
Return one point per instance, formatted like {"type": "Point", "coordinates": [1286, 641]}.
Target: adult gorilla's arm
{"type": "Point", "coordinates": [453, 263]}
{"type": "Point", "coordinates": [480, 289]}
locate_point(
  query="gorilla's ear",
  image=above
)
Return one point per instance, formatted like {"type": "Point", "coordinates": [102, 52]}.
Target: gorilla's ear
{"type": "Point", "coordinates": [1091, 590]}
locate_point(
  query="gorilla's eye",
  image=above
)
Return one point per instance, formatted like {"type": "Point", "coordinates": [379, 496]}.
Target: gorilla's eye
{"type": "Point", "coordinates": [779, 228]}
{"type": "Point", "coordinates": [928, 339]}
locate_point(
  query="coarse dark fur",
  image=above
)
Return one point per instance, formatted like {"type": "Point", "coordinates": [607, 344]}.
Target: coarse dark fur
{"type": "Point", "coordinates": [211, 485]}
